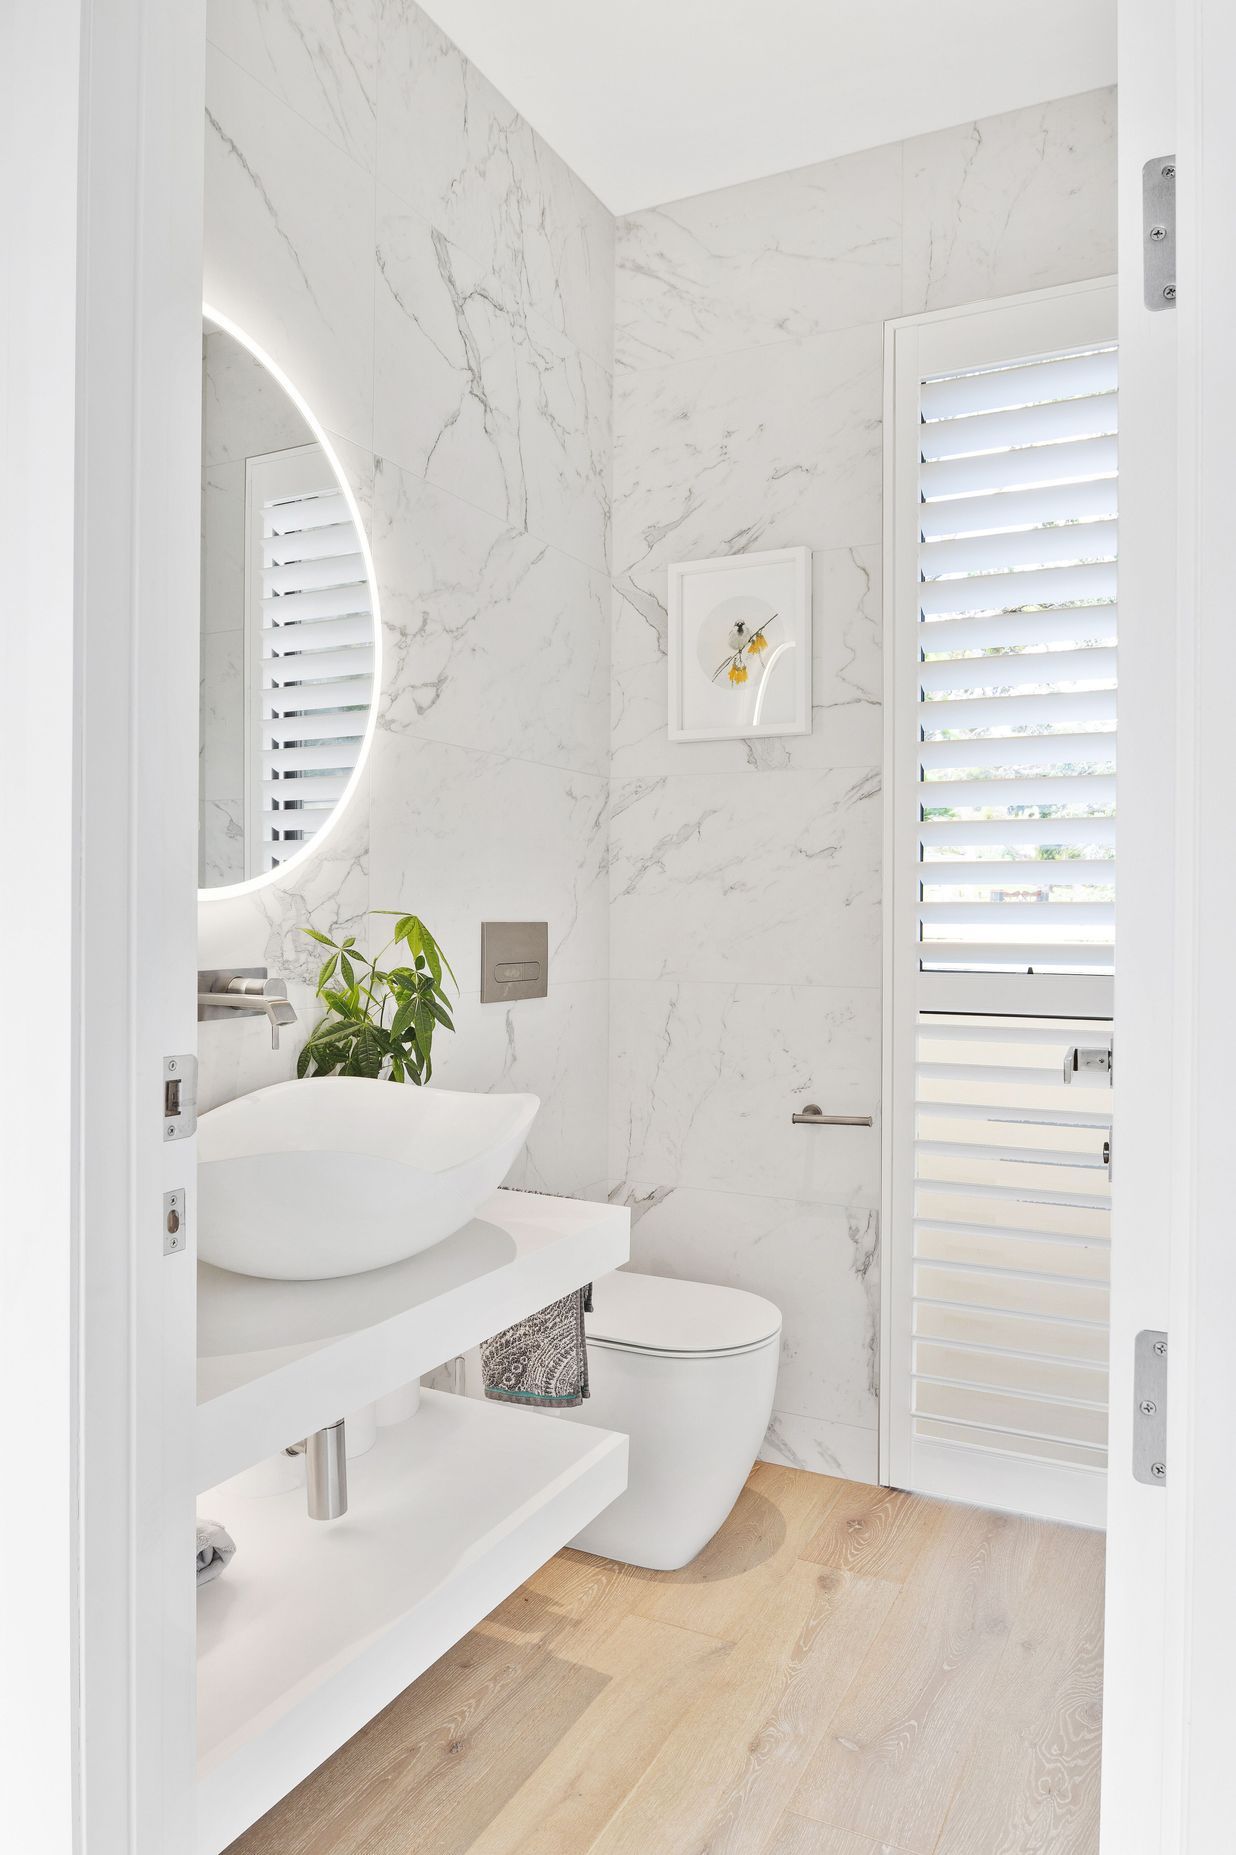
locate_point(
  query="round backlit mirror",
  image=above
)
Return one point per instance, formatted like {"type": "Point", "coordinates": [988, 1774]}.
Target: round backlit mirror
{"type": "Point", "coordinates": [289, 623]}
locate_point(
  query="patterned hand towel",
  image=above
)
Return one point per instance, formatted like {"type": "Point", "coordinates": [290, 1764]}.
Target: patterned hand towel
{"type": "Point", "coordinates": [542, 1360]}
{"type": "Point", "coordinates": [215, 1550]}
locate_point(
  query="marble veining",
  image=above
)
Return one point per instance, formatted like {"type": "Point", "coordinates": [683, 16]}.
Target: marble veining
{"type": "Point", "coordinates": [815, 249]}
{"type": "Point", "coordinates": [766, 447]}
{"type": "Point", "coordinates": [461, 156]}
{"type": "Point", "coordinates": [1014, 202]}
{"type": "Point", "coordinates": [289, 229]}
{"type": "Point", "coordinates": [718, 876]}
{"type": "Point", "coordinates": [493, 639]}
{"type": "Point", "coordinates": [320, 57]}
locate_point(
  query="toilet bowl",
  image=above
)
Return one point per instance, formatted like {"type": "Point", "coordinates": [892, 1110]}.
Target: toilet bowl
{"type": "Point", "coordinates": [688, 1371]}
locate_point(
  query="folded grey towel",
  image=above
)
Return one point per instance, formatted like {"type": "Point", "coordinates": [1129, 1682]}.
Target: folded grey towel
{"type": "Point", "coordinates": [215, 1550]}
{"type": "Point", "coordinates": [542, 1360]}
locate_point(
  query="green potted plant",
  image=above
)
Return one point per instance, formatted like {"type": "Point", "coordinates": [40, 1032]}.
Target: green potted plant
{"type": "Point", "coordinates": [379, 1020]}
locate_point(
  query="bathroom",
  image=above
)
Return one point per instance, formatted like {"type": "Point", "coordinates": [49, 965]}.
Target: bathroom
{"type": "Point", "coordinates": [610, 447]}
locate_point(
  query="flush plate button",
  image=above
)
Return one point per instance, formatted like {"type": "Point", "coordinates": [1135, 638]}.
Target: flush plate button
{"type": "Point", "coordinates": [514, 960]}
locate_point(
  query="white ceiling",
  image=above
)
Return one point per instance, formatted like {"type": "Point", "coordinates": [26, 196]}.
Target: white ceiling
{"type": "Point", "coordinates": [650, 100]}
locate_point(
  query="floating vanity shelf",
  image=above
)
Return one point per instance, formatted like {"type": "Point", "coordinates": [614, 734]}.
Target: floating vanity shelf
{"type": "Point", "coordinates": [278, 1360]}
{"type": "Point", "coordinates": [315, 1627]}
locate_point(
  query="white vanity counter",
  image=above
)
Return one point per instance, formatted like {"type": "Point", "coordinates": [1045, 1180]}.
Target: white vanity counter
{"type": "Point", "coordinates": [316, 1626]}
{"type": "Point", "coordinates": [278, 1360]}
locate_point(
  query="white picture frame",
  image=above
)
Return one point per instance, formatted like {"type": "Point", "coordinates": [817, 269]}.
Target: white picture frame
{"type": "Point", "coordinates": [764, 598]}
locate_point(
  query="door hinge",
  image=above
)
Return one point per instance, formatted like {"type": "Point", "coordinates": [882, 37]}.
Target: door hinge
{"type": "Point", "coordinates": [1150, 1408]}
{"type": "Point", "coordinates": [179, 1097]}
{"type": "Point", "coordinates": [1159, 232]}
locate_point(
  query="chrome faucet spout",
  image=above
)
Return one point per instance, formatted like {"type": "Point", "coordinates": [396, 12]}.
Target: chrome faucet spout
{"type": "Point", "coordinates": [253, 994]}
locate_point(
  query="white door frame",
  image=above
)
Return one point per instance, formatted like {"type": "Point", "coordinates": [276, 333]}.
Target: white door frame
{"type": "Point", "coordinates": [1171, 1612]}
{"type": "Point", "coordinates": [101, 372]}
{"type": "Point", "coordinates": [1201, 1516]}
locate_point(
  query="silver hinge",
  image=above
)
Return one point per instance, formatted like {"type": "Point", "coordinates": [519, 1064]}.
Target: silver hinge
{"type": "Point", "coordinates": [1082, 1059]}
{"type": "Point", "coordinates": [1159, 232]}
{"type": "Point", "coordinates": [179, 1097]}
{"type": "Point", "coordinates": [1150, 1408]}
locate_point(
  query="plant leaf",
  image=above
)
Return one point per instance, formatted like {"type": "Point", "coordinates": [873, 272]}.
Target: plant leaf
{"type": "Point", "coordinates": [313, 934]}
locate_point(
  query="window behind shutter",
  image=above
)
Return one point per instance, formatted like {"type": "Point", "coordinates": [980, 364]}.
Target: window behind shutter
{"type": "Point", "coordinates": [1017, 678]}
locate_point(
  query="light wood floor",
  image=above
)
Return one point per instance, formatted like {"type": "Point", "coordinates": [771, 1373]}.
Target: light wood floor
{"type": "Point", "coordinates": [843, 1671]}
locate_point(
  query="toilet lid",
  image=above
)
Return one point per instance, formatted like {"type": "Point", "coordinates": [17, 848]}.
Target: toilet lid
{"type": "Point", "coordinates": [656, 1314]}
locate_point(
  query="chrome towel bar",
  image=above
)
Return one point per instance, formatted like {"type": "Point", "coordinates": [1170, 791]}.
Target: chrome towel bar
{"type": "Point", "coordinates": [812, 1116]}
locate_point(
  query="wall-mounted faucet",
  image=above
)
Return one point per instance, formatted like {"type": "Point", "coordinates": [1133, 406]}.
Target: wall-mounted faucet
{"type": "Point", "coordinates": [248, 990]}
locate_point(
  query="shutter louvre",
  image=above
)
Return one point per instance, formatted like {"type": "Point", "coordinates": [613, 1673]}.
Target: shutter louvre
{"type": "Point", "coordinates": [316, 664]}
{"type": "Point", "coordinates": [1017, 736]}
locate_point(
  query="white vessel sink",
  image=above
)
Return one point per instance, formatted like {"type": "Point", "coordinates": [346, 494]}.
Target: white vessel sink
{"type": "Point", "coordinates": [335, 1175]}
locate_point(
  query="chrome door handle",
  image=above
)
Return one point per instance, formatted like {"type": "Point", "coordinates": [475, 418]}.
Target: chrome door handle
{"type": "Point", "coordinates": [812, 1116]}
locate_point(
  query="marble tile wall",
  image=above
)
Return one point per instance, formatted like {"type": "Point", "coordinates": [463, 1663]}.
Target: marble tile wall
{"type": "Point", "coordinates": [439, 286]}
{"type": "Point", "coordinates": [745, 877]}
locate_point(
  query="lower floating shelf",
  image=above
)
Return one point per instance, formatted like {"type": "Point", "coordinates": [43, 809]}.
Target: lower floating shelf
{"type": "Point", "coordinates": [316, 1626]}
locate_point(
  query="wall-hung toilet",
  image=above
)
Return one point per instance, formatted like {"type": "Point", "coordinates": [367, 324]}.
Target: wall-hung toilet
{"type": "Point", "coordinates": [688, 1370]}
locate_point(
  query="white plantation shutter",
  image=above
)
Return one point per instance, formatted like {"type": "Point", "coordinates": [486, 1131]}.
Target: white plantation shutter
{"type": "Point", "coordinates": [1011, 1247]}
{"type": "Point", "coordinates": [1000, 925]}
{"type": "Point", "coordinates": [311, 650]}
{"type": "Point", "coordinates": [1017, 678]}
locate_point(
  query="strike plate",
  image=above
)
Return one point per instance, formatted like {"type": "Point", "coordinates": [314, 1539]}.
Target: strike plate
{"type": "Point", "coordinates": [179, 1097]}
{"type": "Point", "coordinates": [1150, 1408]}
{"type": "Point", "coordinates": [174, 1221]}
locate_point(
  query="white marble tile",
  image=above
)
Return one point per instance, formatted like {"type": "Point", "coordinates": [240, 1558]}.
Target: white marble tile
{"type": "Point", "coordinates": [461, 156]}
{"type": "Point", "coordinates": [462, 837]}
{"type": "Point", "coordinates": [482, 399]}
{"type": "Point", "coordinates": [245, 411]}
{"type": "Point", "coordinates": [825, 1448]}
{"type": "Point", "coordinates": [446, 395]}
{"type": "Point", "coordinates": [846, 677]}
{"type": "Point", "coordinates": [1014, 202]}
{"type": "Point", "coordinates": [704, 1080]}
{"type": "Point", "coordinates": [566, 435]}
{"type": "Point", "coordinates": [794, 254]}
{"type": "Point", "coordinates": [773, 447]}
{"type": "Point", "coordinates": [221, 758]}
{"type": "Point", "coordinates": [223, 547]}
{"type": "Point", "coordinates": [718, 876]}
{"type": "Point", "coordinates": [818, 1263]}
{"type": "Point", "coordinates": [289, 229]}
{"type": "Point", "coordinates": [492, 639]}
{"type": "Point", "coordinates": [320, 57]}
{"type": "Point", "coordinates": [555, 1048]}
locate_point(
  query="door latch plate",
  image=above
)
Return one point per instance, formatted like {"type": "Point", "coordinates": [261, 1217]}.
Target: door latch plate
{"type": "Point", "coordinates": [1150, 1408]}
{"type": "Point", "coordinates": [179, 1097]}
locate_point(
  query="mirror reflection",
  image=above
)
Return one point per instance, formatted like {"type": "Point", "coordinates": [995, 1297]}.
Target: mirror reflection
{"type": "Point", "coordinates": [287, 657]}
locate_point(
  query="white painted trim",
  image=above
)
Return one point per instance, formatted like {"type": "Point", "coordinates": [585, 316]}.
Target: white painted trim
{"type": "Point", "coordinates": [1065, 316]}
{"type": "Point", "coordinates": [1146, 1089]}
{"type": "Point", "coordinates": [40, 1752]}
{"type": "Point", "coordinates": [1198, 1592]}
{"type": "Point", "coordinates": [102, 249]}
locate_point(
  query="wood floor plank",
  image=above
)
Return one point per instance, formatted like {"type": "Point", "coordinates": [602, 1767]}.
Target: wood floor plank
{"type": "Point", "coordinates": [796, 1835]}
{"type": "Point", "coordinates": [843, 1671]}
{"type": "Point", "coordinates": [654, 1674]}
{"type": "Point", "coordinates": [433, 1724]}
{"type": "Point", "coordinates": [776, 1514]}
{"type": "Point", "coordinates": [1031, 1783]}
{"type": "Point", "coordinates": [877, 1532]}
{"type": "Point", "coordinates": [890, 1764]}
{"type": "Point", "coordinates": [727, 1772]}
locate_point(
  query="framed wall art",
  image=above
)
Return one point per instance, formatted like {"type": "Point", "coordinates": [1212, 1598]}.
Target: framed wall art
{"type": "Point", "coordinates": [740, 646]}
